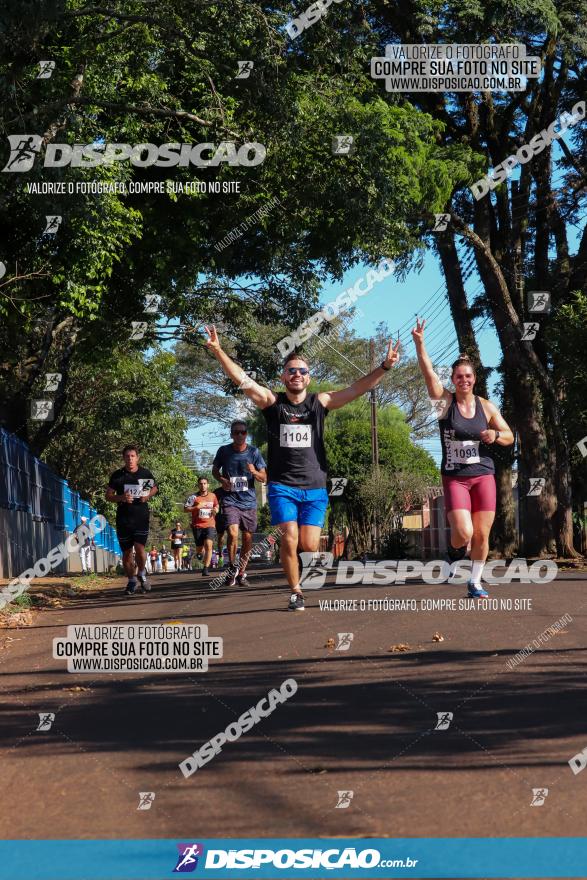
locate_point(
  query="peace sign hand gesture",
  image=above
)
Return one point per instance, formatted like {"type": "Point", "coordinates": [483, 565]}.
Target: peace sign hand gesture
{"type": "Point", "coordinates": [418, 331]}
{"type": "Point", "coordinates": [212, 343]}
{"type": "Point", "coordinates": [392, 356]}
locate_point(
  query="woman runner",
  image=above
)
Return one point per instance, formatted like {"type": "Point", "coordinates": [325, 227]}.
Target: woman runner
{"type": "Point", "coordinates": [469, 427]}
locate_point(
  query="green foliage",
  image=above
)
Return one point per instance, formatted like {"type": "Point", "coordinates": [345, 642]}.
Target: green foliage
{"type": "Point", "coordinates": [126, 397]}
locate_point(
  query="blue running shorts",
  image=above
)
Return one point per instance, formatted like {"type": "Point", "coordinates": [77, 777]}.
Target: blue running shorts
{"type": "Point", "coordinates": [307, 507]}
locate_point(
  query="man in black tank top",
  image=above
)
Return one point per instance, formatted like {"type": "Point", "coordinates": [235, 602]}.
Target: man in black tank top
{"type": "Point", "coordinates": [296, 458]}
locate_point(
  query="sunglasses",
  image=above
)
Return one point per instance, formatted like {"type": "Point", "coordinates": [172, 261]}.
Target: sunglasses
{"type": "Point", "coordinates": [303, 371]}
{"type": "Point", "coordinates": [239, 432]}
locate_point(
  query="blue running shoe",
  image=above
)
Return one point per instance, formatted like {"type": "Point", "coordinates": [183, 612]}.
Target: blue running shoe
{"type": "Point", "coordinates": [476, 592]}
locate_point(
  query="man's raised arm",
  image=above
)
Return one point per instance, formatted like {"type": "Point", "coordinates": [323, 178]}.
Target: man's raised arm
{"type": "Point", "coordinates": [261, 396]}
{"type": "Point", "coordinates": [336, 399]}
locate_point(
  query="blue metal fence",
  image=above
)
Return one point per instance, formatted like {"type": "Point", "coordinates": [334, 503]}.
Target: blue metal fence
{"type": "Point", "coordinates": [28, 484]}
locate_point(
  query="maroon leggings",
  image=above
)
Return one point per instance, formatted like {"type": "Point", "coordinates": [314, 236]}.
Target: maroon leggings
{"type": "Point", "coordinates": [469, 493]}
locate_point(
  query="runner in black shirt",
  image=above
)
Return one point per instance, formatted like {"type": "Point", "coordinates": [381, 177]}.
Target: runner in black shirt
{"type": "Point", "coordinates": [297, 459]}
{"type": "Point", "coordinates": [131, 487]}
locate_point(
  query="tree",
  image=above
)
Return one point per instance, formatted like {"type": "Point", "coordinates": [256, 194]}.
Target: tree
{"type": "Point", "coordinates": [125, 398]}
{"type": "Point", "coordinates": [145, 75]}
{"type": "Point", "coordinates": [520, 235]}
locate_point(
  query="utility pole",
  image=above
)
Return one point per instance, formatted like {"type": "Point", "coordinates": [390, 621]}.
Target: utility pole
{"type": "Point", "coordinates": [374, 441]}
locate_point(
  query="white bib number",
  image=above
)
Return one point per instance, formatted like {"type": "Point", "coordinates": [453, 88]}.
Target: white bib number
{"type": "Point", "coordinates": [239, 484]}
{"type": "Point", "coordinates": [295, 436]}
{"type": "Point", "coordinates": [177, 542]}
{"type": "Point", "coordinates": [463, 452]}
{"type": "Point", "coordinates": [205, 512]}
{"type": "Point", "coordinates": [137, 490]}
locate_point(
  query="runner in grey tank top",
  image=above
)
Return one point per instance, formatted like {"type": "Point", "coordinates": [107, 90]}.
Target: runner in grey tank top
{"type": "Point", "coordinates": [469, 426]}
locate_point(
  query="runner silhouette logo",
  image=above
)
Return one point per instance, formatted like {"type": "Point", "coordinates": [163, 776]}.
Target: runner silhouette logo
{"type": "Point", "coordinates": [23, 149]}
{"type": "Point", "coordinates": [314, 569]}
{"type": "Point", "coordinates": [187, 860]}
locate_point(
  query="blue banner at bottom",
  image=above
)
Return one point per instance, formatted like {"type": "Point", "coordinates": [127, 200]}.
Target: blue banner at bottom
{"type": "Point", "coordinates": [286, 858]}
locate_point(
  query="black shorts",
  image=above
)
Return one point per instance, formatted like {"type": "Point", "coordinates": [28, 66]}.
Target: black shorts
{"type": "Point", "coordinates": [201, 535]}
{"type": "Point", "coordinates": [128, 535]}
{"type": "Point", "coordinates": [133, 529]}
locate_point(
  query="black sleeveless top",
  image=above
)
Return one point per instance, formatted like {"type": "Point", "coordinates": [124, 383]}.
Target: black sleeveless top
{"type": "Point", "coordinates": [296, 454]}
{"type": "Point", "coordinates": [463, 454]}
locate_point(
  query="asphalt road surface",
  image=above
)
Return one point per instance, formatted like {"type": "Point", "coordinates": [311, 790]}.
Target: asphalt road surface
{"type": "Point", "coordinates": [363, 719]}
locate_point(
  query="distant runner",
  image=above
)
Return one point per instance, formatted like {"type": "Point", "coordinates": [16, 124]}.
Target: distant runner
{"type": "Point", "coordinates": [469, 427]}
{"type": "Point", "coordinates": [297, 459]}
{"type": "Point", "coordinates": [153, 556]}
{"type": "Point", "coordinates": [203, 507]}
{"type": "Point", "coordinates": [86, 545]}
{"type": "Point", "coordinates": [220, 524]}
{"type": "Point", "coordinates": [131, 487]}
{"type": "Point", "coordinates": [237, 465]}
{"type": "Point", "coordinates": [177, 537]}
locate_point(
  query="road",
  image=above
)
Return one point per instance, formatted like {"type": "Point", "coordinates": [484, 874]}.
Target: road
{"type": "Point", "coordinates": [363, 720]}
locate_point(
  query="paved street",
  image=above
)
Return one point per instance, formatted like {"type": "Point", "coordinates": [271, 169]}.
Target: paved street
{"type": "Point", "coordinates": [362, 720]}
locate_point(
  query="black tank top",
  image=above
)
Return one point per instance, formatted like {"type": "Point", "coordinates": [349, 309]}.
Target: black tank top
{"type": "Point", "coordinates": [296, 454]}
{"type": "Point", "coordinates": [463, 454]}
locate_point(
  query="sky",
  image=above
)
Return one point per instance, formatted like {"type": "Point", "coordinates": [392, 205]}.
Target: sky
{"type": "Point", "coordinates": [396, 303]}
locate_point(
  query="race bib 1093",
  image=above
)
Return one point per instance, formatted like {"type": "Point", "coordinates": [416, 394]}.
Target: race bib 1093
{"type": "Point", "coordinates": [462, 452]}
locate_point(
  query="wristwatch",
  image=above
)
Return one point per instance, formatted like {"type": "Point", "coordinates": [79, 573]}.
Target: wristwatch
{"type": "Point", "coordinates": [383, 367]}
{"type": "Point", "coordinates": [497, 434]}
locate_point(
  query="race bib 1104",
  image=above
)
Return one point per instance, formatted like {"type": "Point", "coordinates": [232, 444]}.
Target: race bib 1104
{"type": "Point", "coordinates": [295, 436]}
{"type": "Point", "coordinates": [205, 512]}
